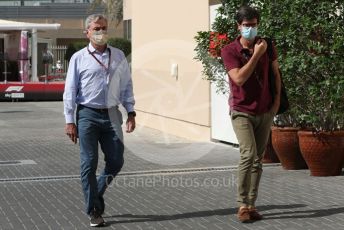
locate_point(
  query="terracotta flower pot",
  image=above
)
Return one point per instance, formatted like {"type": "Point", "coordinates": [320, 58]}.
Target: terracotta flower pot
{"type": "Point", "coordinates": [285, 142]}
{"type": "Point", "coordinates": [269, 154]}
{"type": "Point", "coordinates": [323, 152]}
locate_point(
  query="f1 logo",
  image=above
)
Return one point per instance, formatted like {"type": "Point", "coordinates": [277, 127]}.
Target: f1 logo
{"type": "Point", "coordinates": [14, 88]}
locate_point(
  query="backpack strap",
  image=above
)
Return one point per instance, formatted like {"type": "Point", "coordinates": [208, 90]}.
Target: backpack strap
{"type": "Point", "coordinates": [269, 48]}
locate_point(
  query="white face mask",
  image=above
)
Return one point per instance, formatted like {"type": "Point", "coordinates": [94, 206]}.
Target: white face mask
{"type": "Point", "coordinates": [99, 37]}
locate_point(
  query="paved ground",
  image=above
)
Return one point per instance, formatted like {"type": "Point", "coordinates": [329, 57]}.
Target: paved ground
{"type": "Point", "coordinates": [167, 182]}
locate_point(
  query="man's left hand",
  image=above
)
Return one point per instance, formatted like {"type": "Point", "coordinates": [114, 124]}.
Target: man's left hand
{"type": "Point", "coordinates": [130, 124]}
{"type": "Point", "coordinates": [275, 106]}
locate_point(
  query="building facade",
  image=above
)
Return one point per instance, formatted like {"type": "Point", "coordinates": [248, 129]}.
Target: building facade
{"type": "Point", "coordinates": [170, 92]}
{"type": "Point", "coordinates": [70, 14]}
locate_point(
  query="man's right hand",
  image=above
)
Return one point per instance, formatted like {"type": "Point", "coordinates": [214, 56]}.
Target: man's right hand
{"type": "Point", "coordinates": [70, 130]}
{"type": "Point", "coordinates": [260, 47]}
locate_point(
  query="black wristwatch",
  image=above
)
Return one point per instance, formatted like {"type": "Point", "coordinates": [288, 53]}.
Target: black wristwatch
{"type": "Point", "coordinates": [132, 113]}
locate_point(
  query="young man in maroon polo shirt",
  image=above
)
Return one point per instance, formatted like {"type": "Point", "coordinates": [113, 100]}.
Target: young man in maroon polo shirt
{"type": "Point", "coordinates": [252, 110]}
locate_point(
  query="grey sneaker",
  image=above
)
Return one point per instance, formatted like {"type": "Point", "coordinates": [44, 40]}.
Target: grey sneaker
{"type": "Point", "coordinates": [96, 220]}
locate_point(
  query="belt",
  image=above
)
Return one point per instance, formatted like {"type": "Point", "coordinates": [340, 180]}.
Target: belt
{"type": "Point", "coordinates": [101, 110]}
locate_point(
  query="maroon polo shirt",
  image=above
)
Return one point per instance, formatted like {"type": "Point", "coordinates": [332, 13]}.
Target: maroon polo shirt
{"type": "Point", "coordinates": [253, 96]}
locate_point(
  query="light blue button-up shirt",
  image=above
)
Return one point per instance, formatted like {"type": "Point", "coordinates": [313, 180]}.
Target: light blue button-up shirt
{"type": "Point", "coordinates": [91, 84]}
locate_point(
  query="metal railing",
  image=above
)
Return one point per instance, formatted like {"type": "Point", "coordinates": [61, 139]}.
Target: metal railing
{"type": "Point", "coordinates": [59, 53]}
{"type": "Point", "coordinates": [54, 70]}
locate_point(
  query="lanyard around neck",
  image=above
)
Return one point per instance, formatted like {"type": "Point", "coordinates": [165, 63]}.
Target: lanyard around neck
{"type": "Point", "coordinates": [100, 63]}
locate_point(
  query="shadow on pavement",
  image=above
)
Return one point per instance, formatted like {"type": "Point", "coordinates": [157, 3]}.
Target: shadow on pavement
{"type": "Point", "coordinates": [16, 111]}
{"type": "Point", "coordinates": [304, 213]}
{"type": "Point", "coordinates": [130, 218]}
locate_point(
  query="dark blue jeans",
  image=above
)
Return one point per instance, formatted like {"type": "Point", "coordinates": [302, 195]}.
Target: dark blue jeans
{"type": "Point", "coordinates": [104, 128]}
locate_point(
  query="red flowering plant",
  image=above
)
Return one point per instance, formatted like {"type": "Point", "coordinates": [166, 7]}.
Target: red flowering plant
{"type": "Point", "coordinates": [210, 43]}
{"type": "Point", "coordinates": [216, 43]}
{"type": "Point", "coordinates": [208, 52]}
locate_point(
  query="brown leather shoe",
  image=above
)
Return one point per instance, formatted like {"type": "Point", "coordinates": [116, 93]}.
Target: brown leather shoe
{"type": "Point", "coordinates": [244, 215]}
{"type": "Point", "coordinates": [254, 215]}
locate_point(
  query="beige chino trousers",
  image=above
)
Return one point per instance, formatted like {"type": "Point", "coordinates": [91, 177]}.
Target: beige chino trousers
{"type": "Point", "coordinates": [252, 132]}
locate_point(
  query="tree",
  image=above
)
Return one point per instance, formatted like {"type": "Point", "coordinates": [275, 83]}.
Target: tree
{"type": "Point", "coordinates": [113, 9]}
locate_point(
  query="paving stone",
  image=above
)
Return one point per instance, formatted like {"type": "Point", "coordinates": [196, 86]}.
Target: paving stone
{"type": "Point", "coordinates": [147, 194]}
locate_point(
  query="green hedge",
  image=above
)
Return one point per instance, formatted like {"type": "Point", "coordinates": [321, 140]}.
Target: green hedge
{"type": "Point", "coordinates": [120, 43]}
{"type": "Point", "coordinates": [74, 47]}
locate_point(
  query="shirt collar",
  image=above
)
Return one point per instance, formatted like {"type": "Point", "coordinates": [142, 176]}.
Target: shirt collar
{"type": "Point", "coordinates": [93, 50]}
{"type": "Point", "coordinates": [238, 45]}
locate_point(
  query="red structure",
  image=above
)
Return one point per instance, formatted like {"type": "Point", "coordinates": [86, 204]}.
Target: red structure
{"type": "Point", "coordinates": [31, 91]}
{"type": "Point", "coordinates": [19, 80]}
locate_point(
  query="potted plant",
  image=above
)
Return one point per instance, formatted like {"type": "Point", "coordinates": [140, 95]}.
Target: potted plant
{"type": "Point", "coordinates": [285, 142]}
{"type": "Point", "coordinates": [284, 135]}
{"type": "Point", "coordinates": [311, 52]}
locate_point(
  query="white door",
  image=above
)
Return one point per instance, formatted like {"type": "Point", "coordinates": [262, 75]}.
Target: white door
{"type": "Point", "coordinates": [221, 125]}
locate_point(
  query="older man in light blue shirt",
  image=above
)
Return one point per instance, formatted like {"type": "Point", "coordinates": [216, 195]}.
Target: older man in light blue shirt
{"type": "Point", "coordinates": [98, 80]}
